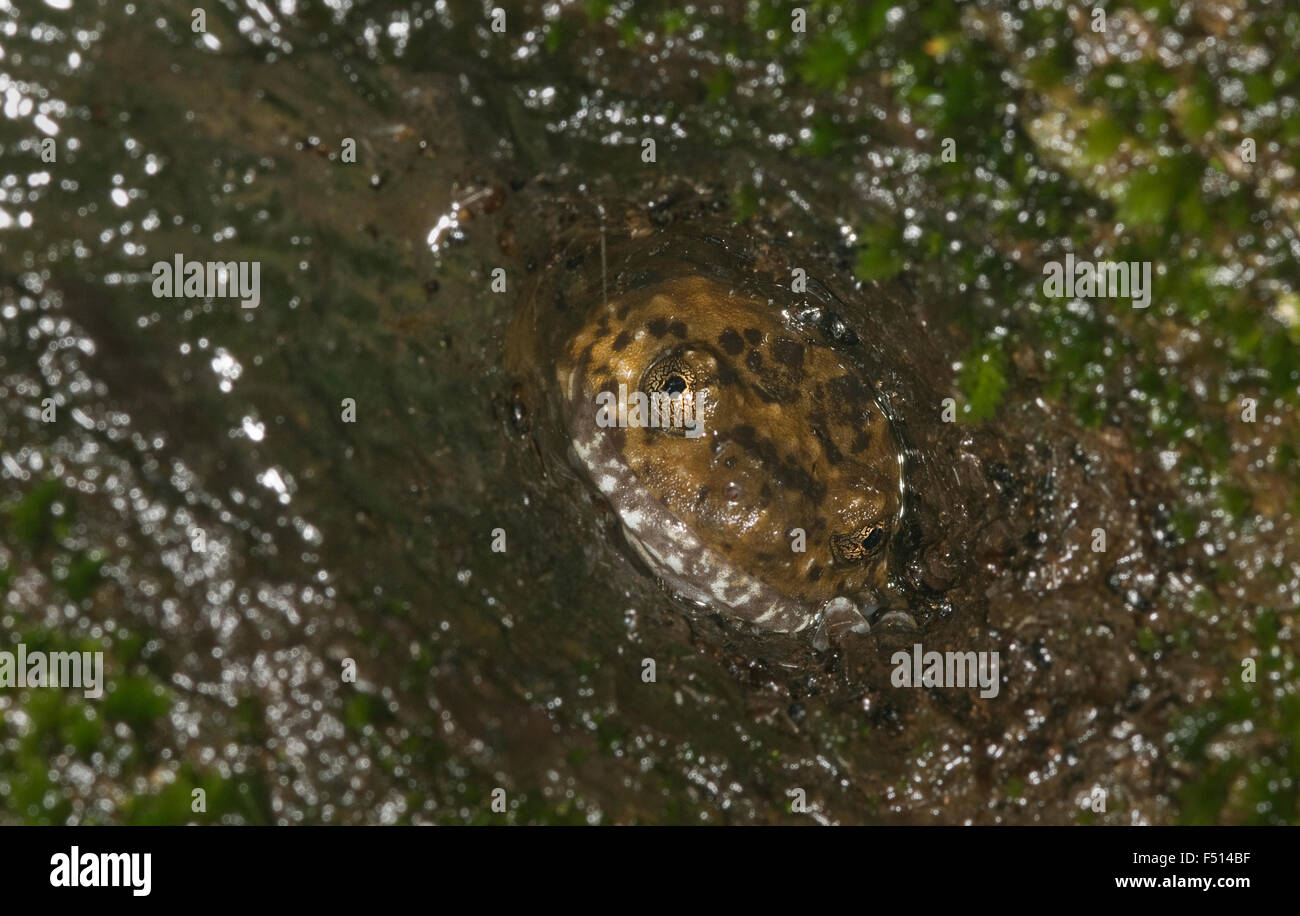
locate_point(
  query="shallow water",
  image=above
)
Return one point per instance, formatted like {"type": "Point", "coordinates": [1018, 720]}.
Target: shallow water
{"type": "Point", "coordinates": [324, 541]}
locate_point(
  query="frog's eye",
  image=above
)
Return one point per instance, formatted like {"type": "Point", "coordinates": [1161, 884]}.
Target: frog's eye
{"type": "Point", "coordinates": [672, 386]}
{"type": "Point", "coordinates": [857, 546]}
{"type": "Point", "coordinates": [670, 375]}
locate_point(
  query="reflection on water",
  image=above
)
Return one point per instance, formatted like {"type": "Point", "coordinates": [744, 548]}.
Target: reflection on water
{"type": "Point", "coordinates": [241, 507]}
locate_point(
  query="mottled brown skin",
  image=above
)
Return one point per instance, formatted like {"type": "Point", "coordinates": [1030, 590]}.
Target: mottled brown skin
{"type": "Point", "coordinates": [793, 439]}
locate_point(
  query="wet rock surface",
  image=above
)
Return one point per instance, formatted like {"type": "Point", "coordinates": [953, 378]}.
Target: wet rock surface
{"type": "Point", "coordinates": [324, 540]}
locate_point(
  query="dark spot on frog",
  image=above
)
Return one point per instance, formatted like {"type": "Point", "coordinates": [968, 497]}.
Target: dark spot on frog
{"type": "Point", "coordinates": [727, 375]}
{"type": "Point", "coordinates": [746, 435]}
{"type": "Point", "coordinates": [861, 441]}
{"type": "Point", "coordinates": [785, 472]}
{"type": "Point", "coordinates": [658, 327]}
{"type": "Point", "coordinates": [788, 352]}
{"type": "Point", "coordinates": [731, 342]}
{"type": "Point", "coordinates": [849, 398]}
{"type": "Point", "coordinates": [678, 329]}
{"type": "Point", "coordinates": [754, 336]}
{"type": "Point", "coordinates": [622, 340]}
{"type": "Point", "coordinates": [815, 573]}
{"type": "Point", "coordinates": [818, 428]}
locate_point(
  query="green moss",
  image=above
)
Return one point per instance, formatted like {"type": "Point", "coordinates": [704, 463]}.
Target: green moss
{"type": "Point", "coordinates": [673, 21]}
{"type": "Point", "coordinates": [1200, 108]}
{"type": "Point", "coordinates": [34, 520]}
{"type": "Point", "coordinates": [1149, 198]}
{"type": "Point", "coordinates": [880, 255]}
{"type": "Point", "coordinates": [558, 35]}
{"type": "Point", "coordinates": [1258, 723]}
{"type": "Point", "coordinates": [137, 701]}
{"type": "Point", "coordinates": [719, 85]}
{"type": "Point", "coordinates": [983, 382]}
{"type": "Point", "coordinates": [1101, 139]}
{"type": "Point", "coordinates": [359, 711]}
{"type": "Point", "coordinates": [244, 801]}
{"type": "Point", "coordinates": [826, 61]}
{"type": "Point", "coordinates": [82, 575]}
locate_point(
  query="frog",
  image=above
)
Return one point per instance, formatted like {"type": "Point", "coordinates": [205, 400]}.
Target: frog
{"type": "Point", "coordinates": [781, 493]}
